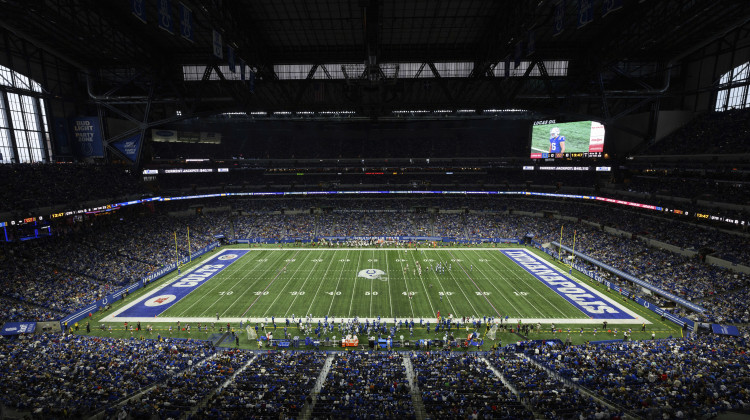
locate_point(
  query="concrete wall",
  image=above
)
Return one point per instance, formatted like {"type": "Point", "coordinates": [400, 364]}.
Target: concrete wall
{"type": "Point", "coordinates": [727, 264]}
{"type": "Point", "coordinates": [620, 141]}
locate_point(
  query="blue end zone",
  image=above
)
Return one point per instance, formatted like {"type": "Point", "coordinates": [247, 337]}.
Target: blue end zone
{"type": "Point", "coordinates": [589, 303]}
{"type": "Point", "coordinates": [151, 306]}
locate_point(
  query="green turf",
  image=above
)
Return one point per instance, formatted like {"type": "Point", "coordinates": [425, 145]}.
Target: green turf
{"type": "Point", "coordinates": [498, 267]}
{"type": "Point", "coordinates": [577, 136]}
{"type": "Point", "coordinates": [324, 282]}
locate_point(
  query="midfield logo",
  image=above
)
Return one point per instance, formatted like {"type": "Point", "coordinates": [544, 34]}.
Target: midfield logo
{"type": "Point", "coordinates": [371, 273]}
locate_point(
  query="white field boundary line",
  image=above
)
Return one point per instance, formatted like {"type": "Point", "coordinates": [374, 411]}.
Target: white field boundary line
{"type": "Point", "coordinates": [110, 317]}
{"type": "Point", "coordinates": [522, 279]}
{"type": "Point", "coordinates": [571, 321]}
{"type": "Point", "coordinates": [345, 248]}
{"type": "Point", "coordinates": [596, 292]}
{"type": "Point", "coordinates": [637, 320]}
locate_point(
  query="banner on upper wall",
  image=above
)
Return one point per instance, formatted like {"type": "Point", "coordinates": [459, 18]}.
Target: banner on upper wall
{"type": "Point", "coordinates": [585, 13]}
{"type": "Point", "coordinates": [165, 16]}
{"type": "Point", "coordinates": [87, 134]}
{"type": "Point", "coordinates": [559, 18]}
{"type": "Point", "coordinates": [15, 328]}
{"type": "Point", "coordinates": [725, 330]}
{"type": "Point", "coordinates": [138, 9]}
{"type": "Point", "coordinates": [218, 46]}
{"type": "Point", "coordinates": [129, 146]}
{"type": "Point", "coordinates": [610, 6]}
{"type": "Point", "coordinates": [186, 22]}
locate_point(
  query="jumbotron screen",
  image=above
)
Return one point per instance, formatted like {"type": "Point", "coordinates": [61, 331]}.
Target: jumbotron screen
{"type": "Point", "coordinates": [567, 140]}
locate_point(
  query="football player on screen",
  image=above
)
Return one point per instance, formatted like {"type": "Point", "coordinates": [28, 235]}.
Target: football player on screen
{"type": "Point", "coordinates": [556, 142]}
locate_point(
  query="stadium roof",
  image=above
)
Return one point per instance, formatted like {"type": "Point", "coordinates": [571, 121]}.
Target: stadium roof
{"type": "Point", "coordinates": [374, 57]}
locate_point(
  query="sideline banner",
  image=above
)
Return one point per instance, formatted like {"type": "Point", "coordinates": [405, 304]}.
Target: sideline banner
{"type": "Point", "coordinates": [634, 279]}
{"type": "Point", "coordinates": [725, 330]}
{"type": "Point", "coordinates": [109, 299]}
{"type": "Point", "coordinates": [15, 328]}
{"type": "Point", "coordinates": [646, 304]}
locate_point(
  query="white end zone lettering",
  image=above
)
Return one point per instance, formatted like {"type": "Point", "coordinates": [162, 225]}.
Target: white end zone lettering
{"type": "Point", "coordinates": [578, 295]}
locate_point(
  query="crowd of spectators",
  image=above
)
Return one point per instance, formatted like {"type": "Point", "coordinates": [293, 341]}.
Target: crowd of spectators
{"type": "Point", "coordinates": [64, 273]}
{"type": "Point", "coordinates": [692, 187]}
{"type": "Point", "coordinates": [84, 261]}
{"type": "Point", "coordinates": [459, 385]}
{"type": "Point", "coordinates": [277, 385]}
{"type": "Point", "coordinates": [187, 390]}
{"type": "Point", "coordinates": [712, 133]}
{"type": "Point", "coordinates": [546, 394]}
{"type": "Point", "coordinates": [365, 385]}
{"type": "Point", "coordinates": [70, 376]}
{"type": "Point", "coordinates": [673, 378]}
{"type": "Point", "coordinates": [60, 185]}
{"type": "Point", "coordinates": [13, 310]}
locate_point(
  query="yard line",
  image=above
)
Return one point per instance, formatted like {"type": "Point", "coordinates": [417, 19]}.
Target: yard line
{"type": "Point", "coordinates": [525, 281]}
{"type": "Point", "coordinates": [320, 284]}
{"type": "Point", "coordinates": [388, 270]}
{"type": "Point", "coordinates": [450, 303]}
{"type": "Point", "coordinates": [269, 285]}
{"type": "Point", "coordinates": [498, 257]}
{"type": "Point", "coordinates": [475, 284]}
{"type": "Point", "coordinates": [333, 297]}
{"type": "Point", "coordinates": [214, 285]}
{"type": "Point", "coordinates": [309, 273]}
{"type": "Point", "coordinates": [349, 313]}
{"type": "Point", "coordinates": [242, 279]}
{"type": "Point", "coordinates": [350, 303]}
{"type": "Point", "coordinates": [400, 261]}
{"type": "Point", "coordinates": [309, 310]}
{"type": "Point", "coordinates": [414, 260]}
{"type": "Point", "coordinates": [500, 293]}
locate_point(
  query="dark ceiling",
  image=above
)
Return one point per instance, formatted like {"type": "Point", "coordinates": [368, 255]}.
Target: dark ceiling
{"type": "Point", "coordinates": [615, 63]}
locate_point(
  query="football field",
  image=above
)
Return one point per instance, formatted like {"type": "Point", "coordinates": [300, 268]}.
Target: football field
{"type": "Point", "coordinates": [343, 283]}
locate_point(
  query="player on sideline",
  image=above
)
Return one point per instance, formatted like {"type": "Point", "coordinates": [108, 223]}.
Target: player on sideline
{"type": "Point", "coordinates": [556, 142]}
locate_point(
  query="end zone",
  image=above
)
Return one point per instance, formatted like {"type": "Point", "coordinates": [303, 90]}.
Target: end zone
{"type": "Point", "coordinates": [162, 298]}
{"type": "Point", "coordinates": [584, 297]}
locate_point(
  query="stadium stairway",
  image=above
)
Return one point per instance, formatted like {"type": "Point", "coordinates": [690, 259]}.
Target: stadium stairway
{"type": "Point", "coordinates": [581, 389]}
{"type": "Point", "coordinates": [307, 410]}
{"type": "Point", "coordinates": [217, 339]}
{"type": "Point", "coordinates": [211, 394]}
{"type": "Point", "coordinates": [416, 396]}
{"type": "Point", "coordinates": [101, 414]}
{"type": "Point", "coordinates": [512, 389]}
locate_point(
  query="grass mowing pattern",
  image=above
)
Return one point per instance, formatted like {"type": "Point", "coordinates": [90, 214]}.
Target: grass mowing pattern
{"type": "Point", "coordinates": [283, 282]}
